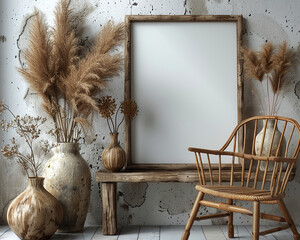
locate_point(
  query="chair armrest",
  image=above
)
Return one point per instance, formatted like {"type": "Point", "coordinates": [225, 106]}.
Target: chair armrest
{"type": "Point", "coordinates": [241, 155]}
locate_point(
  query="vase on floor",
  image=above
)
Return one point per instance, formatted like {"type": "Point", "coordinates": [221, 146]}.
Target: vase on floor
{"type": "Point", "coordinates": [113, 157]}
{"type": "Point", "coordinates": [35, 213]}
{"type": "Point", "coordinates": [68, 178]}
{"type": "Point", "coordinates": [263, 150]}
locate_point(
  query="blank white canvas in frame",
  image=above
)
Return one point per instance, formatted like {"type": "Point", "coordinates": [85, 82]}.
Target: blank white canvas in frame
{"type": "Point", "coordinates": [184, 79]}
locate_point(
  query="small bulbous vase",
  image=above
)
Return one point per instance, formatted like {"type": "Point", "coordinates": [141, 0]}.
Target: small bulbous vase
{"type": "Point", "coordinates": [113, 157]}
{"type": "Point", "coordinates": [35, 214]}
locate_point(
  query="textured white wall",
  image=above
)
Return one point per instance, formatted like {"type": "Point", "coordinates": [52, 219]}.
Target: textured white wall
{"type": "Point", "coordinates": [155, 203]}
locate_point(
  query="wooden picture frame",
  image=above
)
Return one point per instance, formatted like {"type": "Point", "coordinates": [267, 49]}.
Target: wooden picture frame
{"type": "Point", "coordinates": [133, 21]}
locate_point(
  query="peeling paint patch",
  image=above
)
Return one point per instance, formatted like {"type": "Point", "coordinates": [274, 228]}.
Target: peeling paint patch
{"type": "Point", "coordinates": [175, 200]}
{"type": "Point", "coordinates": [266, 27]}
{"type": "Point", "coordinates": [196, 7]}
{"type": "Point", "coordinates": [134, 194]}
{"type": "Point", "coordinates": [2, 38]}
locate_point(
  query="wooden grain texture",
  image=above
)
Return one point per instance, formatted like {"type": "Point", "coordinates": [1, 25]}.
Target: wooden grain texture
{"type": "Point", "coordinates": [109, 209]}
{"type": "Point", "coordinates": [255, 225]}
{"type": "Point", "coordinates": [230, 221]}
{"type": "Point", "coordinates": [167, 176]}
{"type": "Point", "coordinates": [131, 19]}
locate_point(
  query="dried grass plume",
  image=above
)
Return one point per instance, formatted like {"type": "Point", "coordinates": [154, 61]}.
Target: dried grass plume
{"type": "Point", "coordinates": [67, 82]}
{"type": "Point", "coordinates": [272, 64]}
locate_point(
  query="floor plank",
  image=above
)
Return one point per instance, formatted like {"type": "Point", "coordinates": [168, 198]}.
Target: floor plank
{"type": "Point", "coordinates": [87, 233]}
{"type": "Point", "coordinates": [242, 233]}
{"type": "Point", "coordinates": [129, 233]}
{"type": "Point", "coordinates": [170, 232]}
{"type": "Point", "coordinates": [99, 236]}
{"type": "Point", "coordinates": [282, 235]}
{"type": "Point", "coordinates": [9, 235]}
{"type": "Point", "coordinates": [149, 233]}
{"type": "Point", "coordinates": [196, 233]}
{"type": "Point", "coordinates": [210, 232]}
{"type": "Point", "coordinates": [263, 228]}
{"type": "Point", "coordinates": [3, 229]}
{"type": "Point", "coordinates": [213, 232]}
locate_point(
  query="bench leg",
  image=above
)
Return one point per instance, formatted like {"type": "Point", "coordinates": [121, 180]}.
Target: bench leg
{"type": "Point", "coordinates": [192, 217]}
{"type": "Point", "coordinates": [230, 221]}
{"type": "Point", "coordinates": [109, 209]}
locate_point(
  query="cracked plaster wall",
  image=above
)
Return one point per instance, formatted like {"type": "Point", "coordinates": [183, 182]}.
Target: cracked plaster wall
{"type": "Point", "coordinates": [155, 203]}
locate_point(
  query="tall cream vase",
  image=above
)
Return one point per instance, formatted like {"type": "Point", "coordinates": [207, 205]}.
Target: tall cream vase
{"type": "Point", "coordinates": [35, 213]}
{"type": "Point", "coordinates": [264, 150]}
{"type": "Point", "coordinates": [68, 178]}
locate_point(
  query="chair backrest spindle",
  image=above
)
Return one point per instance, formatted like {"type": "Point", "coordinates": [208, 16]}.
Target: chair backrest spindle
{"type": "Point", "coordinates": [270, 147]}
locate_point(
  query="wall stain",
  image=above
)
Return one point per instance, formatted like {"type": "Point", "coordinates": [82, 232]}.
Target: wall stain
{"type": "Point", "coordinates": [124, 206]}
{"type": "Point", "coordinates": [134, 194]}
{"type": "Point", "coordinates": [195, 7]}
{"type": "Point", "coordinates": [266, 27]}
{"type": "Point", "coordinates": [2, 38]}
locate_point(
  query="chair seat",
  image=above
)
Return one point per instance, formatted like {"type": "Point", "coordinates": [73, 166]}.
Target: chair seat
{"type": "Point", "coordinates": [238, 192]}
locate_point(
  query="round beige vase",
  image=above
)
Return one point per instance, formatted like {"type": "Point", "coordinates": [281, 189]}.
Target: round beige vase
{"type": "Point", "coordinates": [68, 178]}
{"type": "Point", "coordinates": [266, 146]}
{"type": "Point", "coordinates": [113, 157]}
{"type": "Point", "coordinates": [35, 213]}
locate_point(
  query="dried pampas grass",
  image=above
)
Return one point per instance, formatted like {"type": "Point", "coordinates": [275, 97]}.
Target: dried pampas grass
{"type": "Point", "coordinates": [271, 63]}
{"type": "Point", "coordinates": [67, 82]}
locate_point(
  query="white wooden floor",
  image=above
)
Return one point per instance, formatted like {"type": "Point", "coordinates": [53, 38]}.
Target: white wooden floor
{"type": "Point", "coordinates": [158, 233]}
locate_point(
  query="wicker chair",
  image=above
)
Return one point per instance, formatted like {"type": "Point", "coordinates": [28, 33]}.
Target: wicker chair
{"type": "Point", "coordinates": [243, 178]}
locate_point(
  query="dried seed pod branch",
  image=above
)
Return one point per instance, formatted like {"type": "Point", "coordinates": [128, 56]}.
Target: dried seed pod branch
{"type": "Point", "coordinates": [107, 108]}
{"type": "Point", "coordinates": [27, 128]}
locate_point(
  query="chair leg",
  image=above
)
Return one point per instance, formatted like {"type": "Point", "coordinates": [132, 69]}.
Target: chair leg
{"type": "Point", "coordinates": [255, 226]}
{"type": "Point", "coordinates": [230, 221]}
{"type": "Point", "coordinates": [192, 217]}
{"type": "Point", "coordinates": [288, 219]}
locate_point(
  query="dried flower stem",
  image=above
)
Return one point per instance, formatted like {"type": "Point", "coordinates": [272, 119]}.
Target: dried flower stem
{"type": "Point", "coordinates": [28, 128]}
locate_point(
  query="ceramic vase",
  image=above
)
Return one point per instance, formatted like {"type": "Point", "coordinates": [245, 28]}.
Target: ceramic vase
{"type": "Point", "coordinates": [35, 214]}
{"type": "Point", "coordinates": [267, 142]}
{"type": "Point", "coordinates": [113, 157]}
{"type": "Point", "coordinates": [68, 178]}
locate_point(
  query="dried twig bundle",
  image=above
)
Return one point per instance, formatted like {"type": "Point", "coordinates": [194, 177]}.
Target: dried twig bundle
{"type": "Point", "coordinates": [271, 63]}
{"type": "Point", "coordinates": [67, 82]}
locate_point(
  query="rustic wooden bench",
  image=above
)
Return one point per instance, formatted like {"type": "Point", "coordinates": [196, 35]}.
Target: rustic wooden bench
{"type": "Point", "coordinates": [109, 182]}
